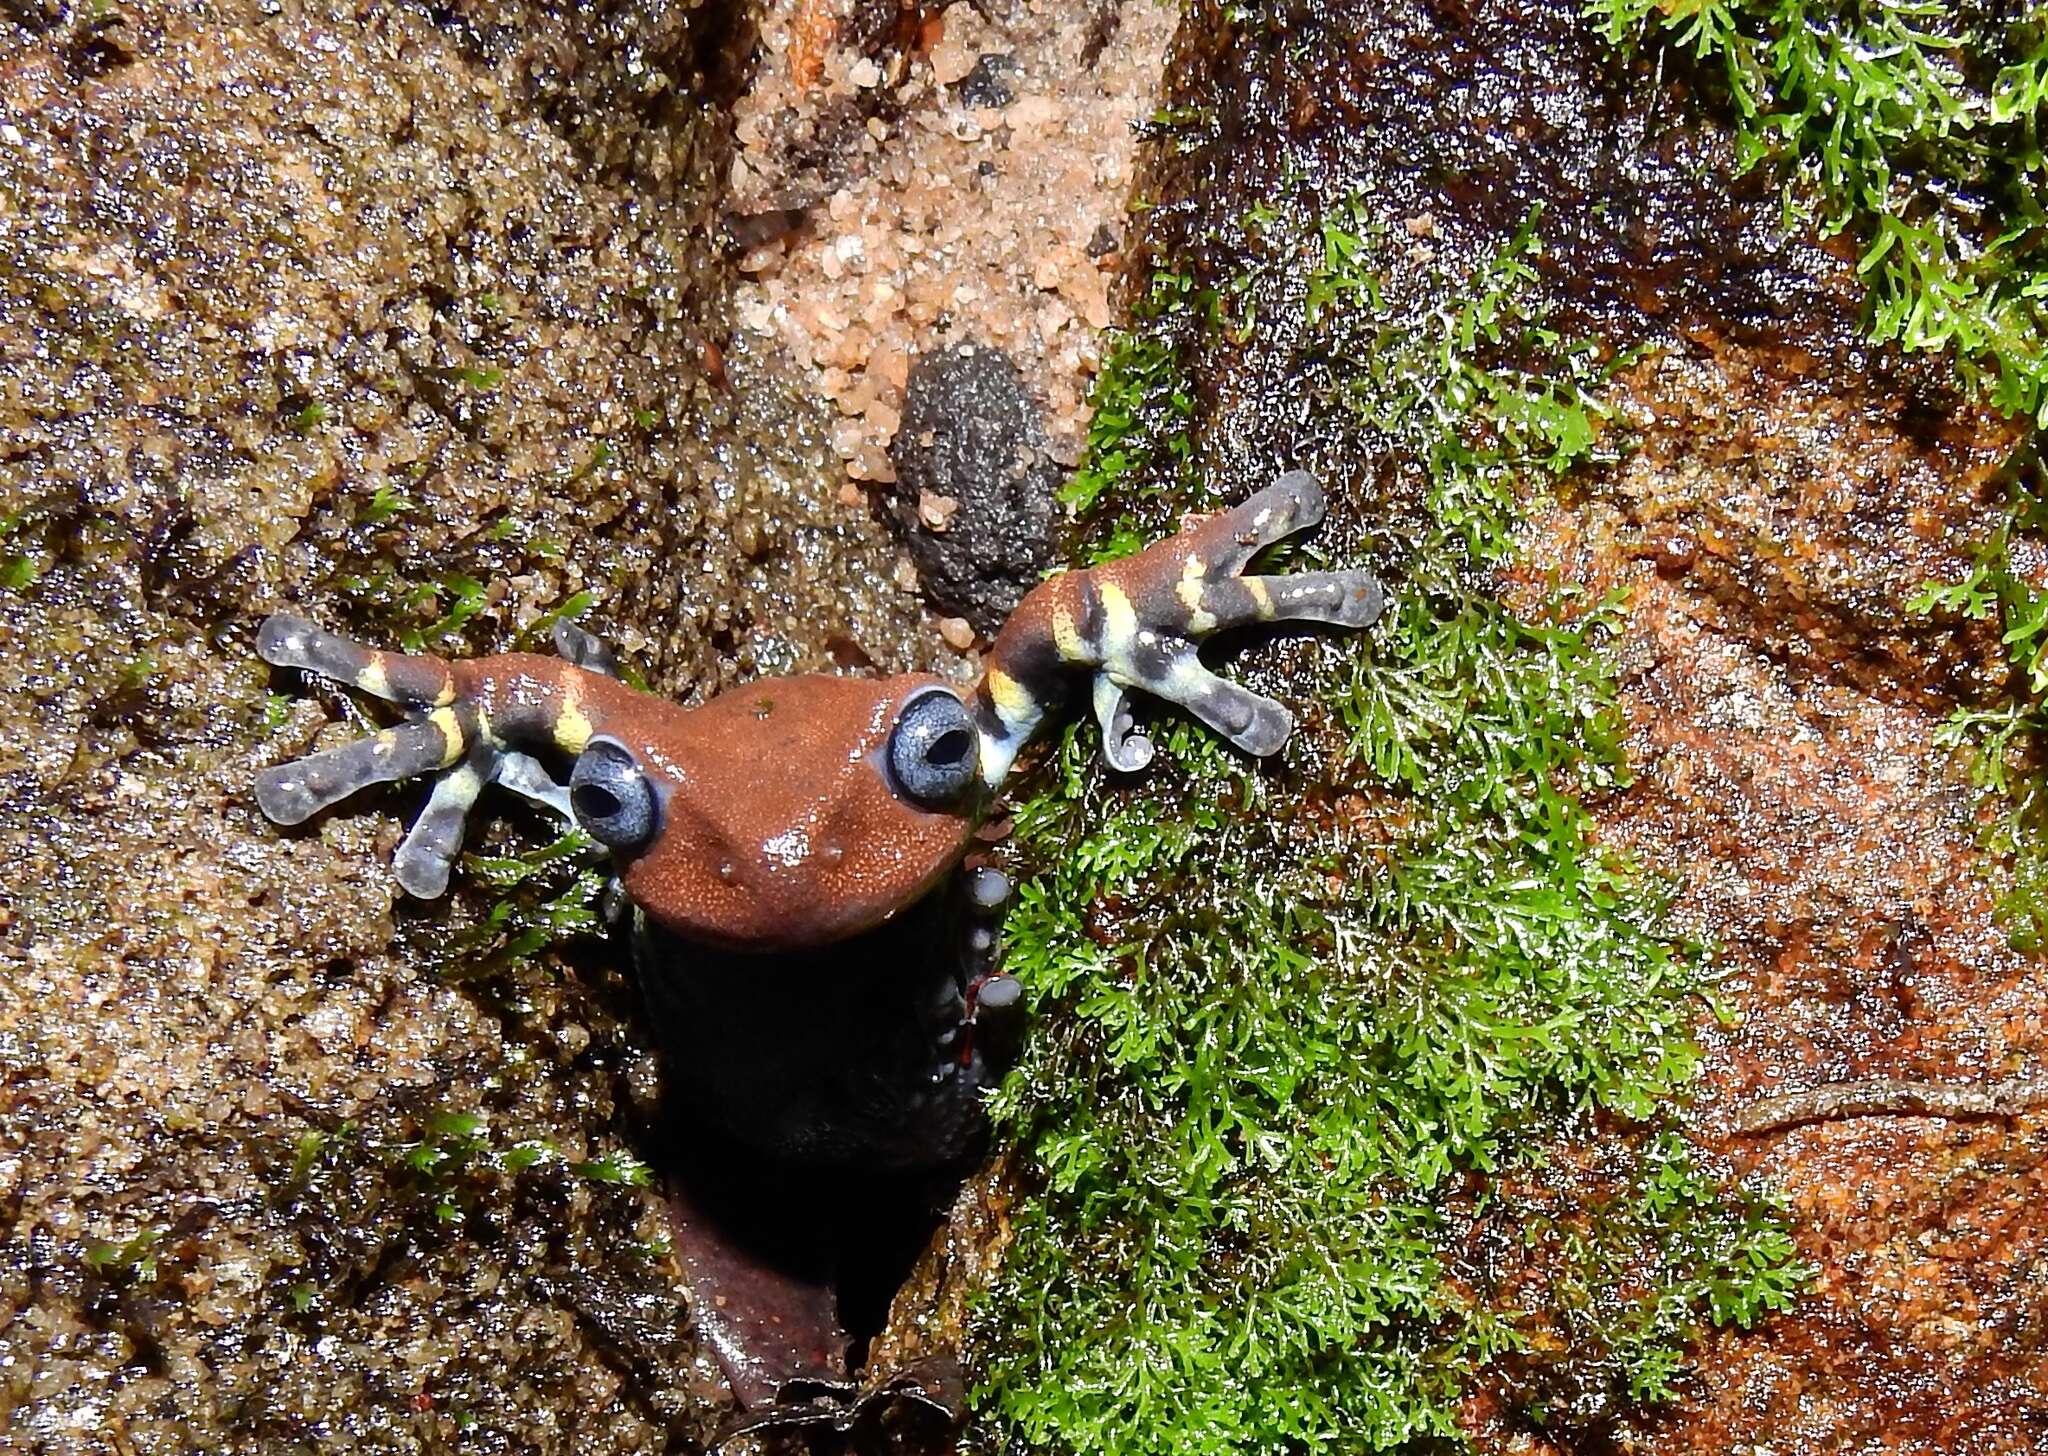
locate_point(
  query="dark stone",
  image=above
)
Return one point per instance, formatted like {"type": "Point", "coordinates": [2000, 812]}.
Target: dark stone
{"type": "Point", "coordinates": [1104, 242]}
{"type": "Point", "coordinates": [972, 433]}
{"type": "Point", "coordinates": [988, 84]}
{"type": "Point", "coordinates": [875, 24]}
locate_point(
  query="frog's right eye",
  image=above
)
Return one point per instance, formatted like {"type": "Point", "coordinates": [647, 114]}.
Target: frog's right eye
{"type": "Point", "coordinates": [613, 800]}
{"type": "Point", "coordinates": [933, 753]}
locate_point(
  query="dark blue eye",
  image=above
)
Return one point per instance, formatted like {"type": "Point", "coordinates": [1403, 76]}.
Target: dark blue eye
{"type": "Point", "coordinates": [934, 752]}
{"type": "Point", "coordinates": [611, 796]}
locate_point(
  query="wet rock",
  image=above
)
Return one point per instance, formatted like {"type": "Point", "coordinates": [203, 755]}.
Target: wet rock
{"type": "Point", "coordinates": [988, 84]}
{"type": "Point", "coordinates": [406, 324]}
{"type": "Point", "coordinates": [1782, 493]}
{"type": "Point", "coordinates": [973, 499]}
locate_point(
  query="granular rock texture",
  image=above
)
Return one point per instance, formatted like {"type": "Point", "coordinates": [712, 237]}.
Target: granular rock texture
{"type": "Point", "coordinates": [408, 318]}
{"type": "Point", "coordinates": [415, 318]}
{"type": "Point", "coordinates": [973, 499]}
{"type": "Point", "coordinates": [922, 176]}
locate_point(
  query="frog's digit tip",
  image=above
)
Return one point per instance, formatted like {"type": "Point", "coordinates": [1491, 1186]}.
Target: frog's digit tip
{"type": "Point", "coordinates": [988, 888]}
{"type": "Point", "coordinates": [1268, 730]}
{"type": "Point", "coordinates": [1351, 599]}
{"type": "Point", "coordinates": [1303, 495]}
{"type": "Point", "coordinates": [421, 874]}
{"type": "Point", "coordinates": [998, 994]}
{"type": "Point", "coordinates": [1127, 754]}
{"type": "Point", "coordinates": [1252, 721]}
{"type": "Point", "coordinates": [425, 858]}
{"type": "Point", "coordinates": [1123, 749]}
{"type": "Point", "coordinates": [583, 649]}
{"type": "Point", "coordinates": [282, 795]}
{"type": "Point", "coordinates": [1364, 598]}
{"type": "Point", "coordinates": [284, 639]}
{"type": "Point", "coordinates": [288, 640]}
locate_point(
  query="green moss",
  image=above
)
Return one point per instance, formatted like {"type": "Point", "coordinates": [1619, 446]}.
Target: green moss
{"type": "Point", "coordinates": [131, 1259]}
{"type": "Point", "coordinates": [386, 504]}
{"type": "Point", "coordinates": [442, 1166]}
{"type": "Point", "coordinates": [457, 596]}
{"type": "Point", "coordinates": [1141, 403]}
{"type": "Point", "coordinates": [1288, 1061]}
{"type": "Point", "coordinates": [19, 570]}
{"type": "Point", "coordinates": [1915, 127]}
{"type": "Point", "coordinates": [2003, 738]}
{"type": "Point", "coordinates": [544, 896]}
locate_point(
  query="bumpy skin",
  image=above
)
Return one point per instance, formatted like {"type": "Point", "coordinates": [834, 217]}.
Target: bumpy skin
{"type": "Point", "coordinates": [790, 816]}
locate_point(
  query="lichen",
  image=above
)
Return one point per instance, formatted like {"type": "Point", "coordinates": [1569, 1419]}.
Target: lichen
{"type": "Point", "coordinates": [1298, 1045]}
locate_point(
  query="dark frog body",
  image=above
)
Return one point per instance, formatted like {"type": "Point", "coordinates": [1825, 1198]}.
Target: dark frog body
{"type": "Point", "coordinates": [824, 983]}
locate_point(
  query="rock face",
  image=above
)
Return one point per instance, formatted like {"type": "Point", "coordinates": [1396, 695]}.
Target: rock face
{"type": "Point", "coordinates": [415, 326]}
{"type": "Point", "coordinates": [412, 317]}
{"type": "Point", "coordinates": [1786, 493]}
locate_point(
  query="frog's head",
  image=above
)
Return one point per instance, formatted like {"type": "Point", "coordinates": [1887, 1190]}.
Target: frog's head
{"type": "Point", "coordinates": [787, 813]}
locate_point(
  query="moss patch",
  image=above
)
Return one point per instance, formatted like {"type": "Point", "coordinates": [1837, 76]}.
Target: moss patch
{"type": "Point", "coordinates": [2003, 736]}
{"type": "Point", "coordinates": [1305, 1056]}
{"type": "Point", "coordinates": [1915, 128]}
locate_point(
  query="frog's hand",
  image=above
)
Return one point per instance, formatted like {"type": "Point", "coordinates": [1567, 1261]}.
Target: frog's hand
{"type": "Point", "coordinates": [1137, 623]}
{"type": "Point", "coordinates": [467, 724]}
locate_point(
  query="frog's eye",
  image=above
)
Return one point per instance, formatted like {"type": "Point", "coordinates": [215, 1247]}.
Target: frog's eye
{"type": "Point", "coordinates": [933, 752]}
{"type": "Point", "coordinates": [613, 800]}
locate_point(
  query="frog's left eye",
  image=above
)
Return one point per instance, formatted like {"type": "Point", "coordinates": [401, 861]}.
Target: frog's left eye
{"type": "Point", "coordinates": [933, 752]}
{"type": "Point", "coordinates": [613, 800]}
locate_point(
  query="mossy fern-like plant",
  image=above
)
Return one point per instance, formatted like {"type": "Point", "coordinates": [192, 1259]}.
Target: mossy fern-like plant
{"type": "Point", "coordinates": [1288, 1060]}
{"type": "Point", "coordinates": [1915, 126]}
{"type": "Point", "coordinates": [2003, 738]}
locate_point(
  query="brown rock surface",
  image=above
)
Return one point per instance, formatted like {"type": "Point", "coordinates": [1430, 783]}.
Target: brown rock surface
{"type": "Point", "coordinates": [402, 323]}
{"type": "Point", "coordinates": [305, 303]}
{"type": "Point", "coordinates": [417, 319]}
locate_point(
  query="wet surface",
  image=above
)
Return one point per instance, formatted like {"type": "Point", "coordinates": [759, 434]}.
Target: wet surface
{"type": "Point", "coordinates": [421, 322]}
{"type": "Point", "coordinates": [945, 184]}
{"type": "Point", "coordinates": [416, 328]}
{"type": "Point", "coordinates": [416, 320]}
{"type": "Point", "coordinates": [1780, 493]}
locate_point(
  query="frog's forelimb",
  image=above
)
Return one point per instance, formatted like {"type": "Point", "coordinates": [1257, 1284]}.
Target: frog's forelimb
{"type": "Point", "coordinates": [467, 724]}
{"type": "Point", "coordinates": [1137, 624]}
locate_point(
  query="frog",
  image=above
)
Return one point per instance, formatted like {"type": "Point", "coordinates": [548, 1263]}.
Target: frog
{"type": "Point", "coordinates": [814, 935]}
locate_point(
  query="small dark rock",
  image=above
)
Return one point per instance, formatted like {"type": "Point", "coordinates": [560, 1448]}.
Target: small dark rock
{"type": "Point", "coordinates": [1104, 242]}
{"type": "Point", "coordinates": [973, 434]}
{"type": "Point", "coordinates": [1675, 554]}
{"type": "Point", "coordinates": [1103, 25]}
{"type": "Point", "coordinates": [747, 230]}
{"type": "Point", "coordinates": [874, 24]}
{"type": "Point", "coordinates": [988, 84]}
